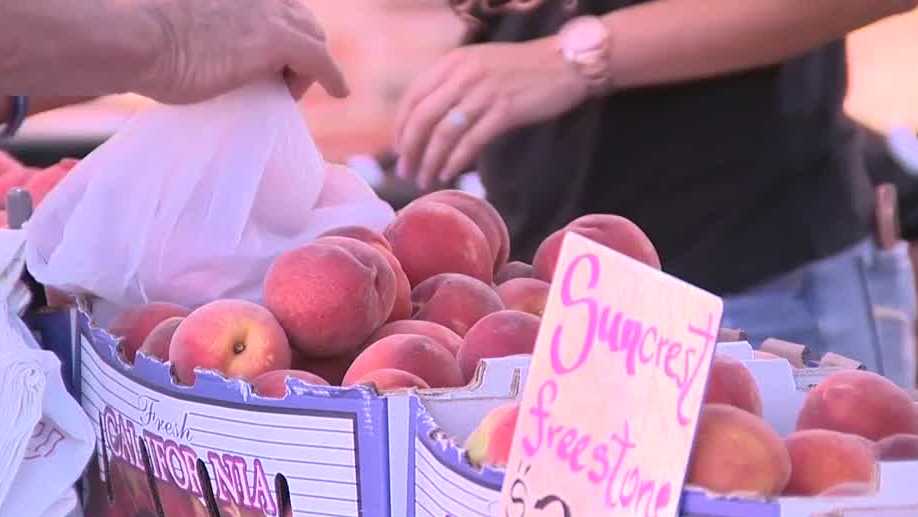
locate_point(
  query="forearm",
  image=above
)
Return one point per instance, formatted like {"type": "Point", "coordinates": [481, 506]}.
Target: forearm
{"type": "Point", "coordinates": [67, 47]}
{"type": "Point", "coordinates": [668, 41]}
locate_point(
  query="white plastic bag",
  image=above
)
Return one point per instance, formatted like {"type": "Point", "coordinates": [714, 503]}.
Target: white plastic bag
{"type": "Point", "coordinates": [188, 204]}
{"type": "Point", "coordinates": [45, 437]}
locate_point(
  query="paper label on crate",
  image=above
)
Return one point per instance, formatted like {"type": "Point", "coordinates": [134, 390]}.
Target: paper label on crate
{"type": "Point", "coordinates": [614, 390]}
{"type": "Point", "coordinates": [241, 449]}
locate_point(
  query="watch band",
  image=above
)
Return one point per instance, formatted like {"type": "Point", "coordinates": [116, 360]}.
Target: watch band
{"type": "Point", "coordinates": [19, 109]}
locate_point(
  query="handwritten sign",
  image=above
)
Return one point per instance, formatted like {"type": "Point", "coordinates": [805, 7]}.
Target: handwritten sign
{"type": "Point", "coordinates": [614, 390]}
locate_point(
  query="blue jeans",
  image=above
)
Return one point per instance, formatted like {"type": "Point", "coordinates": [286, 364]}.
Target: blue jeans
{"type": "Point", "coordinates": [859, 303]}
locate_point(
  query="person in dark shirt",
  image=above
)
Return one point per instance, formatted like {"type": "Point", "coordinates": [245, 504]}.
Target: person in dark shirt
{"type": "Point", "coordinates": [716, 126]}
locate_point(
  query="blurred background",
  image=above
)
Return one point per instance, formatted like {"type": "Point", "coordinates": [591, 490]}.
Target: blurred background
{"type": "Point", "coordinates": [384, 43]}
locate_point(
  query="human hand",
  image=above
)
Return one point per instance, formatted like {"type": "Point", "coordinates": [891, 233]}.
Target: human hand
{"type": "Point", "coordinates": [474, 95]}
{"type": "Point", "coordinates": [213, 46]}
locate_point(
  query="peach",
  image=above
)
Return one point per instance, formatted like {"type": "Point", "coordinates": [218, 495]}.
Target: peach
{"type": "Point", "coordinates": [446, 337]}
{"type": "Point", "coordinates": [859, 402]}
{"type": "Point", "coordinates": [898, 447]}
{"type": "Point", "coordinates": [43, 181]}
{"type": "Point", "coordinates": [455, 301]}
{"type": "Point", "coordinates": [156, 345]}
{"type": "Point", "coordinates": [419, 355]}
{"type": "Point", "coordinates": [498, 334]}
{"type": "Point", "coordinates": [759, 354]}
{"type": "Point", "coordinates": [274, 384]}
{"type": "Point", "coordinates": [511, 270]}
{"type": "Point", "coordinates": [402, 307]}
{"type": "Point", "coordinates": [730, 382]}
{"type": "Point", "coordinates": [490, 442]}
{"type": "Point", "coordinates": [135, 324]}
{"type": "Point", "coordinates": [239, 338]}
{"type": "Point", "coordinates": [389, 379]}
{"type": "Point", "coordinates": [332, 369]}
{"type": "Point", "coordinates": [736, 451]}
{"type": "Point", "coordinates": [11, 179]}
{"type": "Point", "coordinates": [330, 295]}
{"type": "Point", "coordinates": [611, 231]}
{"type": "Point", "coordinates": [432, 238]}
{"type": "Point", "coordinates": [484, 215]}
{"type": "Point", "coordinates": [822, 459]}
{"type": "Point", "coordinates": [525, 294]}
{"type": "Point", "coordinates": [362, 234]}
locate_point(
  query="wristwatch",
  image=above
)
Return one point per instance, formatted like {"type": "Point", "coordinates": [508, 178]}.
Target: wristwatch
{"type": "Point", "coordinates": [584, 42]}
{"type": "Point", "coordinates": [19, 108]}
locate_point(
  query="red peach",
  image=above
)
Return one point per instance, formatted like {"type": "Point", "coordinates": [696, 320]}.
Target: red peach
{"type": "Point", "coordinates": [330, 295]}
{"type": "Point", "coordinates": [332, 369]}
{"type": "Point", "coordinates": [455, 301]}
{"type": "Point", "coordinates": [274, 384]}
{"type": "Point", "coordinates": [419, 355]}
{"type": "Point", "coordinates": [611, 231]}
{"type": "Point", "coordinates": [390, 379]}
{"type": "Point", "coordinates": [156, 345]}
{"type": "Point", "coordinates": [525, 294]}
{"type": "Point", "coordinates": [402, 307]}
{"type": "Point", "coordinates": [484, 215]}
{"type": "Point", "coordinates": [898, 447]}
{"type": "Point", "coordinates": [491, 441]}
{"type": "Point", "coordinates": [730, 382]}
{"type": "Point", "coordinates": [823, 459]}
{"type": "Point", "coordinates": [361, 233]}
{"type": "Point", "coordinates": [859, 402]}
{"type": "Point", "coordinates": [241, 339]}
{"type": "Point", "coordinates": [446, 337]}
{"type": "Point", "coordinates": [432, 238]}
{"type": "Point", "coordinates": [511, 270]}
{"type": "Point", "coordinates": [736, 451]}
{"type": "Point", "coordinates": [135, 324]}
{"type": "Point", "coordinates": [43, 181]}
{"type": "Point", "coordinates": [498, 334]}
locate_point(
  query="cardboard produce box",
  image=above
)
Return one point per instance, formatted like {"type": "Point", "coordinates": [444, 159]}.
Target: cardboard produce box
{"type": "Point", "coordinates": [440, 462]}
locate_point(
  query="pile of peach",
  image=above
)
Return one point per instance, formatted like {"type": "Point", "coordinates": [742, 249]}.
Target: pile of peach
{"type": "Point", "coordinates": [417, 306]}
{"type": "Point", "coordinates": [848, 423]}
{"type": "Point", "coordinates": [38, 182]}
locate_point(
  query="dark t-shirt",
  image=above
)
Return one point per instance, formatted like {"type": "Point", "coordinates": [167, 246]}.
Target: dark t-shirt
{"type": "Point", "coordinates": [735, 179]}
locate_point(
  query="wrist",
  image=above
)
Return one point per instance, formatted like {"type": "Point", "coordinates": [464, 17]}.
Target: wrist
{"type": "Point", "coordinates": [585, 45]}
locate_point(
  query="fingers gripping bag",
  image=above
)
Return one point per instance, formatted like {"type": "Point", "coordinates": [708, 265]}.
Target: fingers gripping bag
{"type": "Point", "coordinates": [188, 204]}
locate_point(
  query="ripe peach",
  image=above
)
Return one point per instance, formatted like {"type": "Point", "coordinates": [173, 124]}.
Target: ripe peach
{"type": "Point", "coordinates": [135, 324]}
{"type": "Point", "coordinates": [274, 384]}
{"type": "Point", "coordinates": [432, 238]}
{"type": "Point", "coordinates": [389, 379]}
{"type": "Point", "coordinates": [498, 334]}
{"type": "Point", "coordinates": [525, 294]}
{"type": "Point", "coordinates": [612, 231]}
{"type": "Point", "coordinates": [446, 337]}
{"type": "Point", "coordinates": [728, 335]}
{"type": "Point", "coordinates": [859, 402]}
{"type": "Point", "coordinates": [730, 382]}
{"type": "Point", "coordinates": [512, 270]}
{"type": "Point", "coordinates": [455, 301]}
{"type": "Point", "coordinates": [157, 343]}
{"type": "Point", "coordinates": [898, 447]}
{"type": "Point", "coordinates": [490, 442]}
{"type": "Point", "coordinates": [332, 369]}
{"type": "Point", "coordinates": [736, 451]}
{"type": "Point", "coordinates": [236, 337]}
{"type": "Point", "coordinates": [12, 178]}
{"type": "Point", "coordinates": [483, 214]}
{"type": "Point", "coordinates": [413, 353]}
{"type": "Point", "coordinates": [823, 459]}
{"type": "Point", "coordinates": [361, 233]}
{"type": "Point", "coordinates": [330, 295]}
{"type": "Point", "coordinates": [43, 181]}
{"type": "Point", "coordinates": [401, 308]}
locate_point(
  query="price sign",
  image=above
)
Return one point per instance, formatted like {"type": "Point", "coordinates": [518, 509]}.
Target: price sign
{"type": "Point", "coordinates": [614, 390]}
